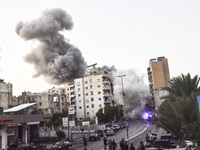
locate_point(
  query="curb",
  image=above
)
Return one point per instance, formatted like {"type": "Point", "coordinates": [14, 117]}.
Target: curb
{"type": "Point", "coordinates": [139, 133]}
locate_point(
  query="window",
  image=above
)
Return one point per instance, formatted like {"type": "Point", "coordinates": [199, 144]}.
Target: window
{"type": "Point", "coordinates": [92, 105]}
{"type": "Point", "coordinates": [86, 88]}
{"type": "Point", "coordinates": [79, 101]}
{"type": "Point", "coordinates": [92, 99]}
{"type": "Point", "coordinates": [86, 82]}
{"type": "Point", "coordinates": [98, 80]}
{"type": "Point", "coordinates": [99, 92]}
{"type": "Point", "coordinates": [91, 92]}
{"type": "Point", "coordinates": [78, 83]}
{"type": "Point", "coordinates": [87, 106]}
{"type": "Point", "coordinates": [99, 99]}
{"type": "Point", "coordinates": [88, 113]}
{"type": "Point", "coordinates": [90, 86]}
{"type": "Point", "coordinates": [79, 95]}
{"type": "Point", "coordinates": [100, 106]}
{"type": "Point", "coordinates": [98, 86]}
{"type": "Point", "coordinates": [80, 107]}
{"type": "Point", "coordinates": [86, 94]}
{"type": "Point", "coordinates": [87, 101]}
{"type": "Point", "coordinates": [90, 80]}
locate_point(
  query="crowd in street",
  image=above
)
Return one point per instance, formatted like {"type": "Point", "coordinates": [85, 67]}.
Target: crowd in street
{"type": "Point", "coordinates": [110, 144]}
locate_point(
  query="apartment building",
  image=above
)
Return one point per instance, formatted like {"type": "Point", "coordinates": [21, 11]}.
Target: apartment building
{"type": "Point", "coordinates": [159, 77]}
{"type": "Point", "coordinates": [57, 99]}
{"type": "Point", "coordinates": [87, 95]}
{"type": "Point", "coordinates": [5, 94]}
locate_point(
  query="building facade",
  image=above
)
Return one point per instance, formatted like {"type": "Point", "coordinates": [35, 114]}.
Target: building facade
{"type": "Point", "coordinates": [5, 94]}
{"type": "Point", "coordinates": [159, 77]}
{"type": "Point", "coordinates": [57, 100]}
{"type": "Point", "coordinates": [87, 95]}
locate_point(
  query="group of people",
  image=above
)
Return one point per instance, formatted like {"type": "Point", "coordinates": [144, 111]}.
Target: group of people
{"type": "Point", "coordinates": [112, 145]}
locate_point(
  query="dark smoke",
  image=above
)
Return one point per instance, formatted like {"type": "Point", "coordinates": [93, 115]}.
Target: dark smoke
{"type": "Point", "coordinates": [135, 90]}
{"type": "Point", "coordinates": [54, 58]}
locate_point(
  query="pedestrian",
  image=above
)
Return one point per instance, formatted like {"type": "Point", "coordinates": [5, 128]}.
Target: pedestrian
{"type": "Point", "coordinates": [142, 146]}
{"type": "Point", "coordinates": [105, 142]}
{"type": "Point", "coordinates": [122, 144]}
{"type": "Point", "coordinates": [125, 146]}
{"type": "Point", "coordinates": [132, 147]}
{"type": "Point", "coordinates": [109, 144]}
{"type": "Point", "coordinates": [85, 142]}
{"type": "Point", "coordinates": [114, 145]}
{"type": "Point", "coordinates": [147, 137]}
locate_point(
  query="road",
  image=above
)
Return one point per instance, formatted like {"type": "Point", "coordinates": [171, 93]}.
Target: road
{"type": "Point", "coordinates": [135, 127]}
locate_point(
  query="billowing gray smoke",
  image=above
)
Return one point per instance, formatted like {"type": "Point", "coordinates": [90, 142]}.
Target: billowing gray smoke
{"type": "Point", "coordinates": [136, 92]}
{"type": "Point", "coordinates": [54, 58]}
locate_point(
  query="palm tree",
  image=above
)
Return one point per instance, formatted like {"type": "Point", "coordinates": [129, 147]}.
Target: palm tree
{"type": "Point", "coordinates": [177, 113]}
{"type": "Point", "coordinates": [182, 85]}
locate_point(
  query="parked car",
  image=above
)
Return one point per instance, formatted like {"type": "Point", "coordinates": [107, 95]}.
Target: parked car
{"type": "Point", "coordinates": [116, 127]}
{"type": "Point", "coordinates": [100, 132]}
{"type": "Point", "coordinates": [124, 125]}
{"type": "Point", "coordinates": [162, 143]}
{"type": "Point", "coordinates": [94, 137]}
{"type": "Point", "coordinates": [46, 147]}
{"type": "Point", "coordinates": [110, 132]}
{"type": "Point", "coordinates": [63, 145]}
{"type": "Point", "coordinates": [26, 146]}
{"type": "Point", "coordinates": [173, 140]}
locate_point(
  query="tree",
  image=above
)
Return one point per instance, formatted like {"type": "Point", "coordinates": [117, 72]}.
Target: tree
{"type": "Point", "coordinates": [177, 113]}
{"type": "Point", "coordinates": [60, 134]}
{"type": "Point", "coordinates": [100, 115]}
{"type": "Point", "coordinates": [110, 113]}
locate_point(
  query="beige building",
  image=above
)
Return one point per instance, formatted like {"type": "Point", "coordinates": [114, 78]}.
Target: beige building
{"type": "Point", "coordinates": [57, 99]}
{"type": "Point", "coordinates": [159, 77]}
{"type": "Point", "coordinates": [5, 94]}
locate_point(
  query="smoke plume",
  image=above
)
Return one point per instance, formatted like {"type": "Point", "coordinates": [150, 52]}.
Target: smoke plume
{"type": "Point", "coordinates": [54, 58]}
{"type": "Point", "coordinates": [136, 93]}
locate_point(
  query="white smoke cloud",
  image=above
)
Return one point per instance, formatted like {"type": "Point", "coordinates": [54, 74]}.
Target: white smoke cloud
{"type": "Point", "coordinates": [135, 90]}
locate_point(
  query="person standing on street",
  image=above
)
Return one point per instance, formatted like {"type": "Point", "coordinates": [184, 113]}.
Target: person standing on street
{"type": "Point", "coordinates": [122, 144]}
{"type": "Point", "coordinates": [105, 142]}
{"type": "Point", "coordinates": [114, 145]}
{"type": "Point", "coordinates": [85, 142]}
{"type": "Point", "coordinates": [132, 147]}
{"type": "Point", "coordinates": [125, 146]}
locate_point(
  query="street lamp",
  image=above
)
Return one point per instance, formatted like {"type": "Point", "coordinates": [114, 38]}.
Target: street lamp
{"type": "Point", "coordinates": [124, 102]}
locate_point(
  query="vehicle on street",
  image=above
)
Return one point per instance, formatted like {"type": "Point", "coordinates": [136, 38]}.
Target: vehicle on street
{"type": "Point", "coordinates": [110, 132]}
{"type": "Point", "coordinates": [46, 147]}
{"type": "Point", "coordinates": [100, 132]}
{"type": "Point", "coordinates": [124, 125]}
{"type": "Point", "coordinates": [116, 127]}
{"type": "Point", "coordinates": [94, 137]}
{"type": "Point", "coordinates": [63, 145]}
{"type": "Point", "coordinates": [173, 140]}
{"type": "Point", "coordinates": [162, 143]}
{"type": "Point", "coordinates": [26, 146]}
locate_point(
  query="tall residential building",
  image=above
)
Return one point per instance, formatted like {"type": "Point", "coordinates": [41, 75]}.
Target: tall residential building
{"type": "Point", "coordinates": [159, 77]}
{"type": "Point", "coordinates": [5, 94]}
{"type": "Point", "coordinates": [57, 100]}
{"type": "Point", "coordinates": [87, 95]}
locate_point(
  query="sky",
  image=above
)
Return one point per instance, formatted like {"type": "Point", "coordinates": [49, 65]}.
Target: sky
{"type": "Point", "coordinates": [126, 34]}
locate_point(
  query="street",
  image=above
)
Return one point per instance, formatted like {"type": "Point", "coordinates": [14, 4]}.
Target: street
{"type": "Point", "coordinates": [134, 128]}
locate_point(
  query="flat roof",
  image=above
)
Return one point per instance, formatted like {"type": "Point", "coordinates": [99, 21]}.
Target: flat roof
{"type": "Point", "coordinates": [19, 107]}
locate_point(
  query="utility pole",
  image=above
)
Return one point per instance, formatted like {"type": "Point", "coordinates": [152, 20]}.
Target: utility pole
{"type": "Point", "coordinates": [124, 102]}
